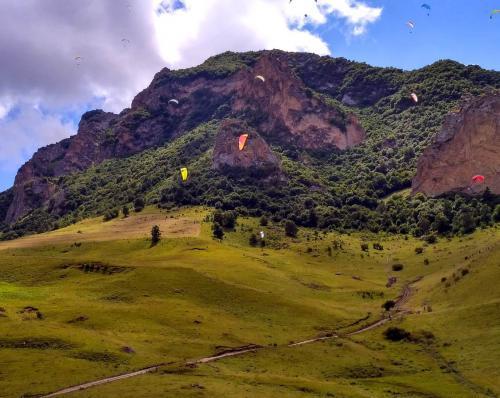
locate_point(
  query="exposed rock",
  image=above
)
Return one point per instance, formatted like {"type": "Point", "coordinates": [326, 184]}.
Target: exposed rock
{"type": "Point", "coordinates": [468, 144]}
{"type": "Point", "coordinates": [282, 109]}
{"type": "Point", "coordinates": [256, 156]}
{"type": "Point", "coordinates": [285, 110]}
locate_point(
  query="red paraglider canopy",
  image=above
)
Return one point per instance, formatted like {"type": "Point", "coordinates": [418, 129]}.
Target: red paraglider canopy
{"type": "Point", "coordinates": [478, 179]}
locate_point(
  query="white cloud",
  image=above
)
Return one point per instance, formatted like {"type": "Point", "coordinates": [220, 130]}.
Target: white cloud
{"type": "Point", "coordinates": [25, 132]}
{"type": "Point", "coordinates": [39, 41]}
{"type": "Point", "coordinates": [189, 31]}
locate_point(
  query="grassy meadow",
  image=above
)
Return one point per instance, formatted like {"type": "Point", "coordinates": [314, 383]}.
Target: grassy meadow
{"type": "Point", "coordinates": [94, 300]}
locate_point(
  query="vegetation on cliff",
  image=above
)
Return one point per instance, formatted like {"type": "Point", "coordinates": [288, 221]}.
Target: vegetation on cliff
{"type": "Point", "coordinates": [359, 188]}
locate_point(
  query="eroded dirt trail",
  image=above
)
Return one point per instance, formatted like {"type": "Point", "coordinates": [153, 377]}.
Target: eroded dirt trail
{"type": "Point", "coordinates": [399, 310]}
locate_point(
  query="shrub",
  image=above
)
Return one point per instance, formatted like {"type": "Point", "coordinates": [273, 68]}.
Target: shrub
{"type": "Point", "coordinates": [396, 334]}
{"type": "Point", "coordinates": [419, 250]}
{"type": "Point", "coordinates": [364, 247]}
{"type": "Point", "coordinates": [464, 272]}
{"type": "Point", "coordinates": [253, 240]}
{"type": "Point", "coordinates": [226, 219]}
{"type": "Point", "coordinates": [431, 238]}
{"type": "Point", "coordinates": [263, 221]}
{"type": "Point", "coordinates": [397, 267]}
{"type": "Point", "coordinates": [125, 211]}
{"type": "Point", "coordinates": [388, 305]}
{"type": "Point", "coordinates": [291, 229]}
{"type": "Point", "coordinates": [110, 214]}
{"type": "Point", "coordinates": [378, 246]}
{"type": "Point", "coordinates": [426, 261]}
{"type": "Point", "coordinates": [155, 235]}
{"type": "Point", "coordinates": [138, 204]}
{"type": "Point", "coordinates": [496, 213]}
{"type": "Point", "coordinates": [217, 230]}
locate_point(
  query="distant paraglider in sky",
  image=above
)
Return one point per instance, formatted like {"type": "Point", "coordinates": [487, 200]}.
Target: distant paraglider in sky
{"type": "Point", "coordinates": [242, 141]}
{"type": "Point", "coordinates": [261, 78]}
{"type": "Point", "coordinates": [184, 173]}
{"type": "Point", "coordinates": [427, 7]}
{"type": "Point", "coordinates": [125, 42]}
{"type": "Point", "coordinates": [78, 60]}
{"type": "Point", "coordinates": [411, 25]}
{"type": "Point", "coordinates": [414, 97]}
{"type": "Point", "coordinates": [173, 101]}
{"type": "Point", "coordinates": [494, 12]}
{"type": "Point", "coordinates": [478, 179]}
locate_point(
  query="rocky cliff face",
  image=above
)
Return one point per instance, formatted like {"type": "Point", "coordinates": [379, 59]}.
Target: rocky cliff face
{"type": "Point", "coordinates": [282, 109]}
{"type": "Point", "coordinates": [468, 145]}
{"type": "Point", "coordinates": [256, 157]}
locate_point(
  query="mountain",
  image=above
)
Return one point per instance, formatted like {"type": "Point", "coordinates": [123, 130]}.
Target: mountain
{"type": "Point", "coordinates": [468, 145]}
{"type": "Point", "coordinates": [336, 138]}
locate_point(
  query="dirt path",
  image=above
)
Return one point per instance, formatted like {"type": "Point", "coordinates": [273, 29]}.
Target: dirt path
{"type": "Point", "coordinates": [397, 311]}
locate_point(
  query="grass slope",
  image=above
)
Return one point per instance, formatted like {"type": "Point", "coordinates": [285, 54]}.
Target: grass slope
{"type": "Point", "coordinates": [108, 303]}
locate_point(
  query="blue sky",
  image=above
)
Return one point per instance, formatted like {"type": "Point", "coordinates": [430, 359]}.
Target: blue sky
{"type": "Point", "coordinates": [455, 29]}
{"type": "Point", "coordinates": [43, 92]}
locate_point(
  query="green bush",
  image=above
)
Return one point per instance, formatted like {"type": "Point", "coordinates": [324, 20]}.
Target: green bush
{"type": "Point", "coordinates": [110, 214]}
{"type": "Point", "coordinates": [397, 267]}
{"type": "Point", "coordinates": [138, 204]}
{"type": "Point", "coordinates": [291, 229]}
{"type": "Point", "coordinates": [155, 235]}
{"type": "Point", "coordinates": [396, 334]}
{"type": "Point", "coordinates": [217, 230]}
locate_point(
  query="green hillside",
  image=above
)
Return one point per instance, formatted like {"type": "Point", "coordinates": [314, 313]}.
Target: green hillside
{"type": "Point", "coordinates": [341, 190]}
{"type": "Point", "coordinates": [94, 300]}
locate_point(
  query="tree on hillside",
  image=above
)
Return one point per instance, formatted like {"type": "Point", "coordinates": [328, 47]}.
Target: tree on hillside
{"type": "Point", "coordinates": [110, 214]}
{"type": "Point", "coordinates": [263, 221]}
{"type": "Point", "coordinates": [388, 305]}
{"type": "Point", "coordinates": [125, 211]}
{"type": "Point", "coordinates": [138, 204]}
{"type": "Point", "coordinates": [217, 230]}
{"type": "Point", "coordinates": [155, 235]}
{"type": "Point", "coordinates": [291, 229]}
{"type": "Point", "coordinates": [496, 214]}
{"type": "Point", "coordinates": [253, 240]}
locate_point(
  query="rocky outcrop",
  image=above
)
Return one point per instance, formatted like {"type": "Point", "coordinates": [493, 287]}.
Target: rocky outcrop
{"type": "Point", "coordinates": [468, 145]}
{"type": "Point", "coordinates": [34, 186]}
{"type": "Point", "coordinates": [285, 110]}
{"type": "Point", "coordinates": [256, 156]}
{"type": "Point", "coordinates": [282, 109]}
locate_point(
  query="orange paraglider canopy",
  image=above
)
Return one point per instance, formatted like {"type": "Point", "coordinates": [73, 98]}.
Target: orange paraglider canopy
{"type": "Point", "coordinates": [478, 179]}
{"type": "Point", "coordinates": [242, 141]}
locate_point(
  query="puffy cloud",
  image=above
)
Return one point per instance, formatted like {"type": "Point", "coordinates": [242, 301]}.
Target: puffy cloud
{"type": "Point", "coordinates": [41, 40]}
{"type": "Point", "coordinates": [189, 31]}
{"type": "Point", "coordinates": [24, 131]}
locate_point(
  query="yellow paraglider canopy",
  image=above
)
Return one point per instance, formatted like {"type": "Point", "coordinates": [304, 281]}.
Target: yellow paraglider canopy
{"type": "Point", "coordinates": [184, 173]}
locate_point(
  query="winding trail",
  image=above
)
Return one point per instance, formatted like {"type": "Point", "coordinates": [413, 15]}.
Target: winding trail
{"type": "Point", "coordinates": [398, 311]}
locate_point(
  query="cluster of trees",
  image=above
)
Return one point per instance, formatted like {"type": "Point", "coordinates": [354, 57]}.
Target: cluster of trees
{"type": "Point", "coordinates": [333, 189]}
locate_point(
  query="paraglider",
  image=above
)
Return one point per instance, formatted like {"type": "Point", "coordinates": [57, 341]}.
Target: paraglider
{"type": "Point", "coordinates": [411, 25]}
{"type": "Point", "coordinates": [242, 141]}
{"type": "Point", "coordinates": [478, 179]}
{"type": "Point", "coordinates": [414, 97]}
{"type": "Point", "coordinates": [173, 101]}
{"type": "Point", "coordinates": [493, 13]}
{"type": "Point", "coordinates": [78, 60]}
{"type": "Point", "coordinates": [125, 42]}
{"type": "Point", "coordinates": [184, 173]}
{"type": "Point", "coordinates": [262, 235]}
{"type": "Point", "coordinates": [427, 7]}
{"type": "Point", "coordinates": [259, 77]}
